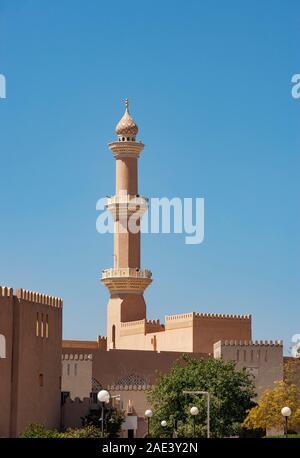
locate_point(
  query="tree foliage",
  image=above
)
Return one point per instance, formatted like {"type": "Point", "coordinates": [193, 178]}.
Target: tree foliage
{"type": "Point", "coordinates": [88, 431]}
{"type": "Point", "coordinates": [291, 371]}
{"type": "Point", "coordinates": [231, 392]}
{"type": "Point", "coordinates": [91, 427]}
{"type": "Point", "coordinates": [37, 431]}
{"type": "Point", "coordinates": [268, 413]}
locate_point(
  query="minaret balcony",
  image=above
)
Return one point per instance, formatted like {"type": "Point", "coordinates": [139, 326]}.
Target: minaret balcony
{"type": "Point", "coordinates": [126, 280]}
{"type": "Point", "coordinates": [124, 206]}
{"type": "Point", "coordinates": [126, 149]}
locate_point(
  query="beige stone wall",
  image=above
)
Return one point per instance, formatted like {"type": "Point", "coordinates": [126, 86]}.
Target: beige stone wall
{"type": "Point", "coordinates": [133, 401]}
{"type": "Point", "coordinates": [263, 359]}
{"type": "Point", "coordinates": [188, 332]}
{"type": "Point", "coordinates": [209, 328]}
{"type": "Point", "coordinates": [77, 374]}
{"type": "Point", "coordinates": [177, 340]}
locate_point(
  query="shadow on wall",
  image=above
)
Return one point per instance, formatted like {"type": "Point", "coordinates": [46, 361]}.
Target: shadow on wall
{"type": "Point", "coordinates": [2, 346]}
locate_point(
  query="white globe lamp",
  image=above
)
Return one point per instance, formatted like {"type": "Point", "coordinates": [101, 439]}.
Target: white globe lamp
{"type": "Point", "coordinates": [103, 396]}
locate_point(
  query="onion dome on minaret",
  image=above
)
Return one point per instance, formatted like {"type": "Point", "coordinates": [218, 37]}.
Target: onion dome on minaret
{"type": "Point", "coordinates": [126, 129]}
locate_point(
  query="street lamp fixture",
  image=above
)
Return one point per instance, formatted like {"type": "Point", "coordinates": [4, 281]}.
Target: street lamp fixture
{"type": "Point", "coordinates": [286, 413]}
{"type": "Point", "coordinates": [163, 423]}
{"type": "Point", "coordinates": [148, 415]}
{"type": "Point", "coordinates": [207, 394]}
{"type": "Point", "coordinates": [194, 411]}
{"type": "Point", "coordinates": [103, 397]}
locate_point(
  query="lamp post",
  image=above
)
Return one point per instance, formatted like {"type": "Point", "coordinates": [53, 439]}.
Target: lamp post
{"type": "Point", "coordinates": [163, 424]}
{"type": "Point", "coordinates": [194, 411]}
{"type": "Point", "coordinates": [286, 413]}
{"type": "Point", "coordinates": [205, 393]}
{"type": "Point", "coordinates": [148, 415]}
{"type": "Point", "coordinates": [103, 397]}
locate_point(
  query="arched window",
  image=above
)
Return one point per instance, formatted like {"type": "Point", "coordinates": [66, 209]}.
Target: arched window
{"type": "Point", "coordinates": [2, 346]}
{"type": "Point", "coordinates": [113, 336]}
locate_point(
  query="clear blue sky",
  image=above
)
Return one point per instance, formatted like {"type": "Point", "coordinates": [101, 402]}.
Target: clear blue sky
{"type": "Point", "coordinates": [209, 85]}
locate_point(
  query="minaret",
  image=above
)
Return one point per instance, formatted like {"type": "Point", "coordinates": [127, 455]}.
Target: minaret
{"type": "Point", "coordinates": [126, 281]}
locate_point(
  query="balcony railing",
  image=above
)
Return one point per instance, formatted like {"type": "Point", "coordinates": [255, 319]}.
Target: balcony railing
{"type": "Point", "coordinates": [126, 272]}
{"type": "Point", "coordinates": [127, 198]}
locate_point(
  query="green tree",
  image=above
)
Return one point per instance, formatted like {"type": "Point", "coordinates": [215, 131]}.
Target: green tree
{"type": "Point", "coordinates": [231, 392]}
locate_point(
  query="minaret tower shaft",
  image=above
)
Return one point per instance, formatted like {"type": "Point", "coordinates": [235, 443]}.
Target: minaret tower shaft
{"type": "Point", "coordinates": [126, 281]}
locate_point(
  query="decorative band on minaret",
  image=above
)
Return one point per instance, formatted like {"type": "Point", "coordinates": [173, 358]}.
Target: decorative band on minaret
{"type": "Point", "coordinates": [127, 207]}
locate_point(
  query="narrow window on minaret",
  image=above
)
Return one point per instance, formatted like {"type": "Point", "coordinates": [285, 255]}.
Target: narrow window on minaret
{"type": "Point", "coordinates": [238, 355]}
{"type": "Point", "coordinates": [37, 325]}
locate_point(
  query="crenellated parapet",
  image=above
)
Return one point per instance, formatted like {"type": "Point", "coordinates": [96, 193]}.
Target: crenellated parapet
{"type": "Point", "coordinates": [250, 343]}
{"type": "Point", "coordinates": [140, 327]}
{"type": "Point", "coordinates": [180, 317]}
{"type": "Point", "coordinates": [77, 357]}
{"type": "Point", "coordinates": [154, 326]}
{"type": "Point", "coordinates": [5, 291]}
{"type": "Point", "coordinates": [196, 318]}
{"type": "Point", "coordinates": [222, 316]}
{"type": "Point", "coordinates": [102, 342]}
{"type": "Point", "coordinates": [133, 327]}
{"type": "Point", "coordinates": [198, 315]}
{"type": "Point", "coordinates": [38, 298]}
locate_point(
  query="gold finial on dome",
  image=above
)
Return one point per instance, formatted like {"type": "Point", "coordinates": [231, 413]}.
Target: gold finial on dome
{"type": "Point", "coordinates": [127, 127]}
